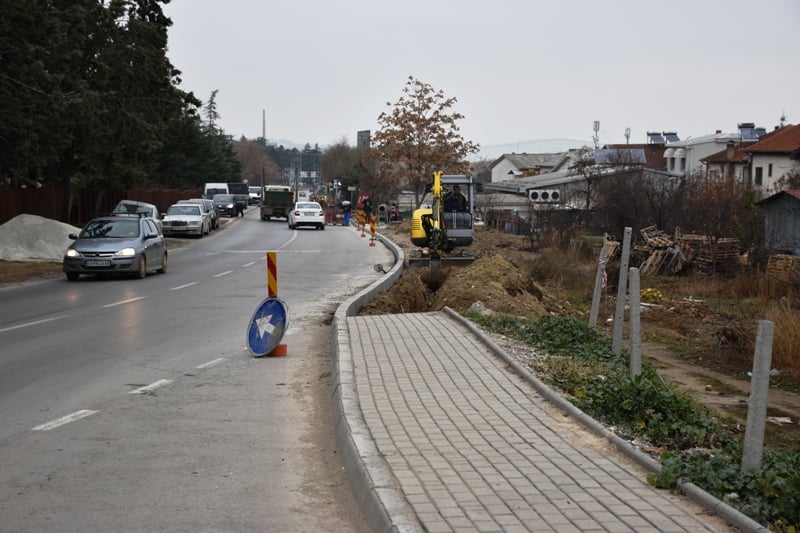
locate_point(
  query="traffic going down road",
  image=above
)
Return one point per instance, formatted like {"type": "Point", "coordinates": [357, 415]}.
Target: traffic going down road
{"type": "Point", "coordinates": [135, 405]}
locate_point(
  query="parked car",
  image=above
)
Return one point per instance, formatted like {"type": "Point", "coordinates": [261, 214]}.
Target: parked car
{"type": "Point", "coordinates": [307, 214]}
{"type": "Point", "coordinates": [116, 244]}
{"type": "Point", "coordinates": [132, 207]}
{"type": "Point", "coordinates": [186, 219]}
{"type": "Point", "coordinates": [255, 195]}
{"type": "Point", "coordinates": [209, 208]}
{"type": "Point", "coordinates": [225, 204]}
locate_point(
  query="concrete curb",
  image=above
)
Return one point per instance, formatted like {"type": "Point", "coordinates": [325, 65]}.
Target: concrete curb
{"type": "Point", "coordinates": [377, 491]}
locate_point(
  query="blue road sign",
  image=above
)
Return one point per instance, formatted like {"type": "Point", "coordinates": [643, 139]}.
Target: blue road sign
{"type": "Point", "coordinates": [265, 330]}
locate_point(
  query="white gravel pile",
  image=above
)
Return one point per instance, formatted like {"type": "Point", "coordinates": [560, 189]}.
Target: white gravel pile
{"type": "Point", "coordinates": [34, 238]}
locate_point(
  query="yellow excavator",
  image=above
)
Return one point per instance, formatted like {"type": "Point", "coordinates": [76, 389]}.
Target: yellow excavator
{"type": "Point", "coordinates": [446, 224]}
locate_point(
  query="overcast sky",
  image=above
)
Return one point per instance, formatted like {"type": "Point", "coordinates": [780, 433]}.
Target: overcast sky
{"type": "Point", "coordinates": [521, 70]}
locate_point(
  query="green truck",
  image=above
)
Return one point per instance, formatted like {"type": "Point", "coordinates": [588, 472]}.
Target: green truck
{"type": "Point", "coordinates": [276, 201]}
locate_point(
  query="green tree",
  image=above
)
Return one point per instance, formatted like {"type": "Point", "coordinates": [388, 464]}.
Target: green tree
{"type": "Point", "coordinates": [418, 136]}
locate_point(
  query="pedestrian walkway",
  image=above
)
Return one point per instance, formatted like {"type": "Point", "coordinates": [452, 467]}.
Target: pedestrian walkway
{"type": "Point", "coordinates": [440, 434]}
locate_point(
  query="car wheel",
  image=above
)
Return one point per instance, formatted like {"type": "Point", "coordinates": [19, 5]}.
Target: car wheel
{"type": "Point", "coordinates": [163, 269]}
{"type": "Point", "coordinates": [72, 276]}
{"type": "Point", "coordinates": [322, 227]}
{"type": "Point", "coordinates": [141, 273]}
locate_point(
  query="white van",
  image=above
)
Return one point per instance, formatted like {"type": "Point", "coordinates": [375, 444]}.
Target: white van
{"type": "Point", "coordinates": [211, 189]}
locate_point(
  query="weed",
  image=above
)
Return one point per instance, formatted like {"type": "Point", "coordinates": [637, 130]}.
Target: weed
{"type": "Point", "coordinates": [703, 448]}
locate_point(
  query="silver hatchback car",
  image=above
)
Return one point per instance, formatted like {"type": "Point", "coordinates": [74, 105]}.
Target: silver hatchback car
{"type": "Point", "coordinates": [116, 245]}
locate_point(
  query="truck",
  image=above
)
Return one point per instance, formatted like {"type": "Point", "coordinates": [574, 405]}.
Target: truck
{"type": "Point", "coordinates": [276, 201]}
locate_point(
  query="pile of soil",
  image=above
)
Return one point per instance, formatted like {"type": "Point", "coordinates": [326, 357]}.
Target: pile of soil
{"type": "Point", "coordinates": [491, 283]}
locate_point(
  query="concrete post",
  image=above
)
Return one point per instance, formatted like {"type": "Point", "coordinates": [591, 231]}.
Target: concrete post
{"type": "Point", "coordinates": [598, 286]}
{"type": "Point", "coordinates": [619, 315]}
{"type": "Point", "coordinates": [758, 401]}
{"type": "Point", "coordinates": [636, 330]}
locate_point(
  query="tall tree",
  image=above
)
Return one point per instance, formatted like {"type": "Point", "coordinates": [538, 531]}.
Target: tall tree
{"type": "Point", "coordinates": [418, 136]}
{"type": "Point", "coordinates": [258, 168]}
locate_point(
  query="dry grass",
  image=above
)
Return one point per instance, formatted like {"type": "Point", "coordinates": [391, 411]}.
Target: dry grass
{"type": "Point", "coordinates": [15, 272]}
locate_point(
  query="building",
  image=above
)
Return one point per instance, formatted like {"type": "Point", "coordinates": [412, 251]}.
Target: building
{"type": "Point", "coordinates": [774, 156]}
{"type": "Point", "coordinates": [509, 166]}
{"type": "Point", "coordinates": [782, 221]}
{"type": "Point", "coordinates": [686, 157]}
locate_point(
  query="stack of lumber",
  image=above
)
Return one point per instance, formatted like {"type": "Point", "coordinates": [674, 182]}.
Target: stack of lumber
{"type": "Point", "coordinates": [710, 254]}
{"type": "Point", "coordinates": [784, 268]}
{"type": "Point", "coordinates": [663, 255]}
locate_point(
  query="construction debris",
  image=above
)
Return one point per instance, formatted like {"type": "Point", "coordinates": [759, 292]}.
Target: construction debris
{"type": "Point", "coordinates": [659, 254]}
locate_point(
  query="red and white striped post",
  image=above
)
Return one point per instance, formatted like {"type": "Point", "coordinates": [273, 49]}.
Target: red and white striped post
{"type": "Point", "coordinates": [272, 292]}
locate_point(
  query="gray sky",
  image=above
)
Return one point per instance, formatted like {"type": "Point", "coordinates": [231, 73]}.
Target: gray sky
{"type": "Point", "coordinates": [521, 70]}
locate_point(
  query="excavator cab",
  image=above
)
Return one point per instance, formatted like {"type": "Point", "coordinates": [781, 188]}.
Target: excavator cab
{"type": "Point", "coordinates": [447, 223]}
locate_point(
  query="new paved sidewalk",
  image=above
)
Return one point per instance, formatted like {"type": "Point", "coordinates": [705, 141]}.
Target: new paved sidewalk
{"type": "Point", "coordinates": [438, 433]}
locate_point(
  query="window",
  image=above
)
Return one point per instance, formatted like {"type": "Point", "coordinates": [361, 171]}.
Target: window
{"type": "Point", "coordinates": [769, 170]}
{"type": "Point", "coordinates": [683, 164]}
{"type": "Point", "coordinates": [672, 163]}
{"type": "Point", "coordinates": [759, 176]}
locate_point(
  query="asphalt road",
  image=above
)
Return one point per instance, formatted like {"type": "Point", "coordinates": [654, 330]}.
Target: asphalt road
{"type": "Point", "coordinates": [134, 405]}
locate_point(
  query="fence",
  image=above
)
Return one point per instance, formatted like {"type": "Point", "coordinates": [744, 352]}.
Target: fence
{"type": "Point", "coordinates": [51, 202]}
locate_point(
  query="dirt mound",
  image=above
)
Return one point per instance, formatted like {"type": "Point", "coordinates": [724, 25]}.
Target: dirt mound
{"type": "Point", "coordinates": [492, 281]}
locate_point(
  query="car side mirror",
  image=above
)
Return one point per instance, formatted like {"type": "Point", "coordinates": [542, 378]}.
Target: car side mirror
{"type": "Point", "coordinates": [73, 236]}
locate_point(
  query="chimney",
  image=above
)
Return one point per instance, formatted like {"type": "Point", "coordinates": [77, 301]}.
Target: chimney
{"type": "Point", "coordinates": [729, 151]}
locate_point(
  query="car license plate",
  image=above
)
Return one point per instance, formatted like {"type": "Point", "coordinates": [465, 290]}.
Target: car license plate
{"type": "Point", "coordinates": [97, 263]}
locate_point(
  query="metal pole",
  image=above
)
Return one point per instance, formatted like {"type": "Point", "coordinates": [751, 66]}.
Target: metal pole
{"type": "Point", "coordinates": [619, 315]}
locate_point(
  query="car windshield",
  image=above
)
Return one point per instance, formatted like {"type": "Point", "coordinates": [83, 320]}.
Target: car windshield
{"type": "Point", "coordinates": [184, 209]}
{"type": "Point", "coordinates": [133, 209]}
{"type": "Point", "coordinates": [308, 205]}
{"type": "Point", "coordinates": [223, 198]}
{"type": "Point", "coordinates": [115, 229]}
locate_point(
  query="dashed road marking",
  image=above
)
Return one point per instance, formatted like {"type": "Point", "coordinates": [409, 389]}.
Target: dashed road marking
{"type": "Point", "coordinates": [151, 387]}
{"type": "Point", "coordinates": [129, 300]}
{"type": "Point", "coordinates": [72, 417]}
{"type": "Point", "coordinates": [34, 323]}
{"type": "Point", "coordinates": [179, 287]}
{"type": "Point", "coordinates": [209, 364]}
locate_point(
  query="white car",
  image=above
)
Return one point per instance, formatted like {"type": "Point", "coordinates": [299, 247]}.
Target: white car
{"type": "Point", "coordinates": [186, 219]}
{"type": "Point", "coordinates": [307, 214]}
{"type": "Point", "coordinates": [255, 195]}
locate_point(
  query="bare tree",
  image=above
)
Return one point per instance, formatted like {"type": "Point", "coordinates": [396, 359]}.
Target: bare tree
{"type": "Point", "coordinates": [419, 135]}
{"type": "Point", "coordinates": [258, 168]}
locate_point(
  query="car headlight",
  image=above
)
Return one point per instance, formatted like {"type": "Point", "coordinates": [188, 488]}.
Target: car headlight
{"type": "Point", "coordinates": [126, 252]}
{"type": "Point", "coordinates": [229, 206]}
{"type": "Point", "coordinates": [72, 253]}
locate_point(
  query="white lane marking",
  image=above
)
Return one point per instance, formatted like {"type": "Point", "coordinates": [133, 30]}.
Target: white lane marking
{"type": "Point", "coordinates": [34, 323]}
{"type": "Point", "coordinates": [129, 300]}
{"type": "Point", "coordinates": [179, 287]}
{"type": "Point", "coordinates": [151, 387]}
{"type": "Point", "coordinates": [209, 364]}
{"type": "Point", "coordinates": [223, 273]}
{"type": "Point", "coordinates": [72, 417]}
{"type": "Point", "coordinates": [251, 263]}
